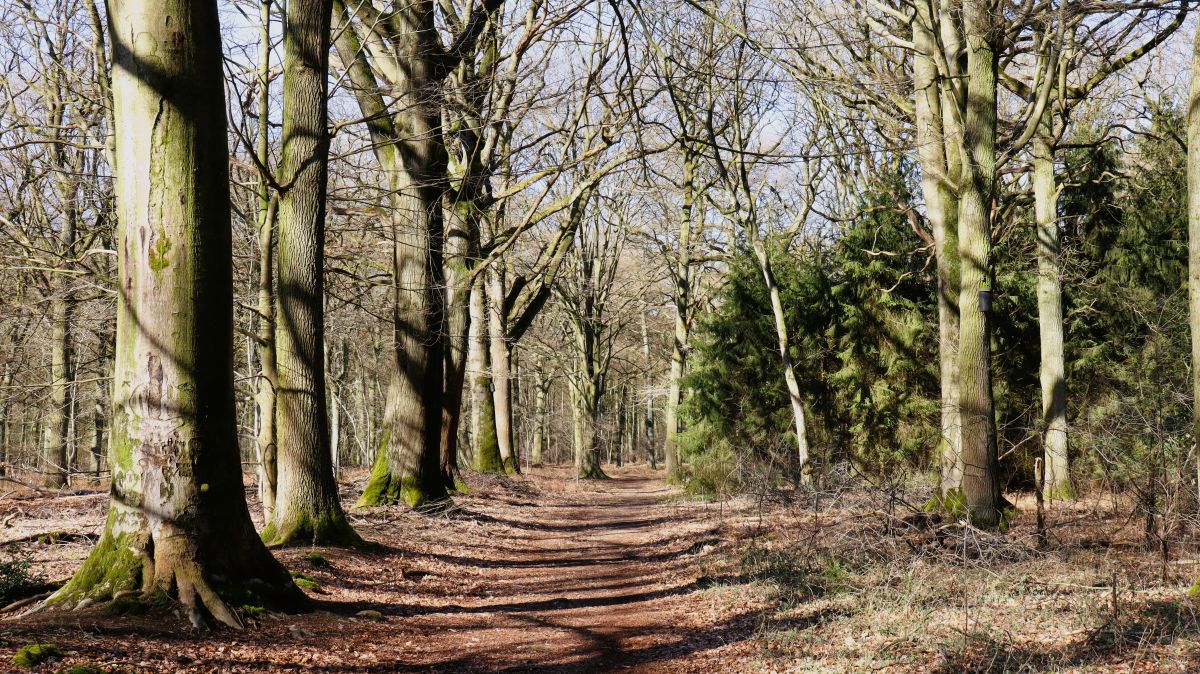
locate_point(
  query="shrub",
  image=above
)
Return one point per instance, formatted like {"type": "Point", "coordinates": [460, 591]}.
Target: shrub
{"type": "Point", "coordinates": [16, 579]}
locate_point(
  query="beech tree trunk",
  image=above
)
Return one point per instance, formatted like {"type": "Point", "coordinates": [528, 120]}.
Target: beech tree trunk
{"type": "Point", "coordinates": [483, 414]}
{"type": "Point", "coordinates": [408, 144]}
{"type": "Point", "coordinates": [460, 241]}
{"type": "Point", "coordinates": [939, 177]}
{"type": "Point", "coordinates": [1056, 483]}
{"type": "Point", "coordinates": [651, 454]}
{"type": "Point", "coordinates": [264, 398]}
{"type": "Point", "coordinates": [56, 456]}
{"type": "Point", "coordinates": [501, 356]}
{"type": "Point", "coordinates": [177, 520]}
{"type": "Point", "coordinates": [307, 508]}
{"type": "Point", "coordinates": [980, 485]}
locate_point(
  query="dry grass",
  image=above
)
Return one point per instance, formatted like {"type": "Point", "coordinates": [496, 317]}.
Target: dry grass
{"type": "Point", "coordinates": [856, 588]}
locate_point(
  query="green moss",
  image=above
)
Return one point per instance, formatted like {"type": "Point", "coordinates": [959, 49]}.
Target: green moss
{"type": "Point", "coordinates": [251, 610]}
{"type": "Point", "coordinates": [52, 537]}
{"type": "Point", "coordinates": [510, 467]}
{"type": "Point", "coordinates": [460, 486]}
{"type": "Point", "coordinates": [595, 472]}
{"type": "Point", "coordinates": [329, 528]}
{"type": "Point", "coordinates": [113, 566]}
{"type": "Point", "coordinates": [953, 503]}
{"type": "Point", "coordinates": [35, 654]}
{"type": "Point", "coordinates": [1063, 492]}
{"type": "Point", "coordinates": [1194, 590]}
{"type": "Point", "coordinates": [307, 582]}
{"type": "Point", "coordinates": [86, 669]}
{"type": "Point", "coordinates": [316, 559]}
{"type": "Point", "coordinates": [487, 448]}
{"type": "Point", "coordinates": [384, 488]}
{"type": "Point", "coordinates": [158, 253]}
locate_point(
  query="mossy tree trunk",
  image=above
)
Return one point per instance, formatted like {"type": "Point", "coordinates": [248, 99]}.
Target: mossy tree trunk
{"type": "Point", "coordinates": [409, 146]}
{"type": "Point", "coordinates": [541, 386]}
{"type": "Point", "coordinates": [483, 415]}
{"type": "Point", "coordinates": [177, 520]}
{"type": "Point", "coordinates": [307, 508]}
{"type": "Point", "coordinates": [980, 484]}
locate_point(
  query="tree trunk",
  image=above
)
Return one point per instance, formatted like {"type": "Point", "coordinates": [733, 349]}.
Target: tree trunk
{"type": "Point", "coordinates": [501, 356]}
{"type": "Point", "coordinates": [789, 373]}
{"type": "Point", "coordinates": [541, 384]}
{"type": "Point", "coordinates": [6, 383]}
{"type": "Point", "coordinates": [980, 485]}
{"type": "Point", "coordinates": [1193, 182]}
{"type": "Point", "coordinates": [55, 459]}
{"type": "Point", "coordinates": [1057, 481]}
{"type": "Point", "coordinates": [178, 519]}
{"type": "Point", "coordinates": [460, 239]}
{"type": "Point", "coordinates": [651, 455]}
{"type": "Point", "coordinates": [265, 445]}
{"type": "Point", "coordinates": [682, 280]}
{"type": "Point", "coordinates": [307, 508]}
{"type": "Point", "coordinates": [414, 160]}
{"type": "Point", "coordinates": [938, 185]}
{"type": "Point", "coordinates": [587, 452]}
{"type": "Point", "coordinates": [483, 414]}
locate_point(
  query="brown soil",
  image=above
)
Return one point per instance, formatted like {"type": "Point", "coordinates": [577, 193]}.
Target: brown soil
{"type": "Point", "coordinates": [536, 574]}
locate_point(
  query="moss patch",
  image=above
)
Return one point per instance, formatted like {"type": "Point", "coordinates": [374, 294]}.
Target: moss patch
{"type": "Point", "coordinates": [595, 472]}
{"type": "Point", "coordinates": [460, 486]}
{"type": "Point", "coordinates": [86, 669]}
{"type": "Point", "coordinates": [35, 654]}
{"type": "Point", "coordinates": [316, 559]}
{"type": "Point", "coordinates": [384, 488]}
{"type": "Point", "coordinates": [112, 567]}
{"type": "Point", "coordinates": [328, 528]}
{"type": "Point", "coordinates": [307, 582]}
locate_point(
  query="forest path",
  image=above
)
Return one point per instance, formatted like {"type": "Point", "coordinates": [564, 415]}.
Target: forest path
{"type": "Point", "coordinates": [586, 576]}
{"type": "Point", "coordinates": [542, 573]}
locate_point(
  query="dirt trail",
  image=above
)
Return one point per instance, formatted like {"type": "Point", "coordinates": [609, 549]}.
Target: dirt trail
{"type": "Point", "coordinates": [540, 574]}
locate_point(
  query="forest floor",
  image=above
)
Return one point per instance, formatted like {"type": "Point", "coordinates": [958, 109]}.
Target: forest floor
{"type": "Point", "coordinates": [544, 573]}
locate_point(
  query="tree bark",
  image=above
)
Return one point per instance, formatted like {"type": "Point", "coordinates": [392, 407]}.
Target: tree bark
{"type": "Point", "coordinates": [980, 485]}
{"type": "Point", "coordinates": [789, 372]}
{"type": "Point", "coordinates": [177, 519]}
{"type": "Point", "coordinates": [938, 186]}
{"type": "Point", "coordinates": [501, 356]}
{"type": "Point", "coordinates": [1057, 481]}
{"type": "Point", "coordinates": [541, 385]}
{"type": "Point", "coordinates": [483, 415]}
{"type": "Point", "coordinates": [408, 465]}
{"type": "Point", "coordinates": [265, 442]}
{"type": "Point", "coordinates": [461, 239]}
{"type": "Point", "coordinates": [1193, 182]}
{"type": "Point", "coordinates": [307, 508]}
{"type": "Point", "coordinates": [681, 296]}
